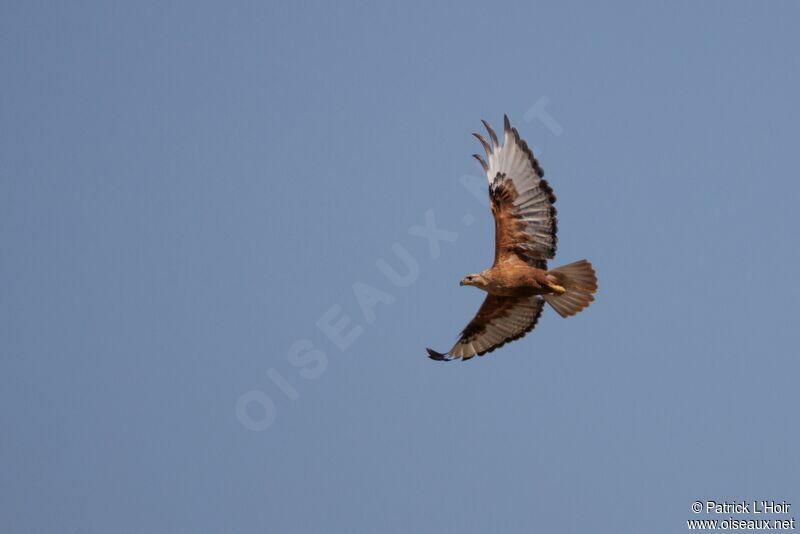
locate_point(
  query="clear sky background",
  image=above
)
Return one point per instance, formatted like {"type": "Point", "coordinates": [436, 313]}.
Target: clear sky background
{"type": "Point", "coordinates": [188, 189]}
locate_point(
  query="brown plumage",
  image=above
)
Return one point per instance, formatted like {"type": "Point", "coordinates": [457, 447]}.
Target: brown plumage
{"type": "Point", "coordinates": [518, 283]}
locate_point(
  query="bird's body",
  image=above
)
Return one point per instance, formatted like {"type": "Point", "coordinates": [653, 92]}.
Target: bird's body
{"type": "Point", "coordinates": [516, 278]}
{"type": "Point", "coordinates": [518, 283]}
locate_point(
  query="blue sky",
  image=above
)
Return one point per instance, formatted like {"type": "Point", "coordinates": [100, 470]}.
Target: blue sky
{"type": "Point", "coordinates": [188, 191]}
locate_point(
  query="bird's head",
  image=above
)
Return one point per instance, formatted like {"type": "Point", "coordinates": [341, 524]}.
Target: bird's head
{"type": "Point", "coordinates": [476, 279]}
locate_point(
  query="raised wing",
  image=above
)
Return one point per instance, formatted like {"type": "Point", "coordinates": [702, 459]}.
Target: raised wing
{"type": "Point", "coordinates": [522, 201]}
{"type": "Point", "coordinates": [499, 320]}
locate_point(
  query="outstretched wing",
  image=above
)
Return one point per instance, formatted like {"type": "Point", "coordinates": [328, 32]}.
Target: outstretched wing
{"type": "Point", "coordinates": [522, 201]}
{"type": "Point", "coordinates": [499, 320]}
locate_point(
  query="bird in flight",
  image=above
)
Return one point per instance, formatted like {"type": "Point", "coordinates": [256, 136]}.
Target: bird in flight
{"type": "Point", "coordinates": [519, 283]}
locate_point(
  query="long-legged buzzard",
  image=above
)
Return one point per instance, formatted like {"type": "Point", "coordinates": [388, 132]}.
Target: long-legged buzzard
{"type": "Point", "coordinates": [519, 283]}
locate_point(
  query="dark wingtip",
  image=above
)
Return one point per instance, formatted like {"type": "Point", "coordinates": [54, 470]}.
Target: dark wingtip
{"type": "Point", "coordinates": [506, 123]}
{"type": "Point", "coordinates": [484, 143]}
{"type": "Point", "coordinates": [482, 162]}
{"type": "Point", "coordinates": [492, 135]}
{"type": "Point", "coordinates": [438, 356]}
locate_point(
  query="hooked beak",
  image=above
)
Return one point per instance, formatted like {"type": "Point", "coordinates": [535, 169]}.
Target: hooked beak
{"type": "Point", "coordinates": [462, 282]}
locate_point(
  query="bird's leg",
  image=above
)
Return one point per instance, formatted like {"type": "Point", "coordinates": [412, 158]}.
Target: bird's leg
{"type": "Point", "coordinates": [552, 283]}
{"type": "Point", "coordinates": [557, 289]}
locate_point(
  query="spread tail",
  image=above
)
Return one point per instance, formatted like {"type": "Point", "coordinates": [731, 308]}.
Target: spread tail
{"type": "Point", "coordinates": [580, 282]}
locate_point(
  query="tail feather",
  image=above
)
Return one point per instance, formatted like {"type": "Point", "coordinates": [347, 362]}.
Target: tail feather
{"type": "Point", "coordinates": [580, 282]}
